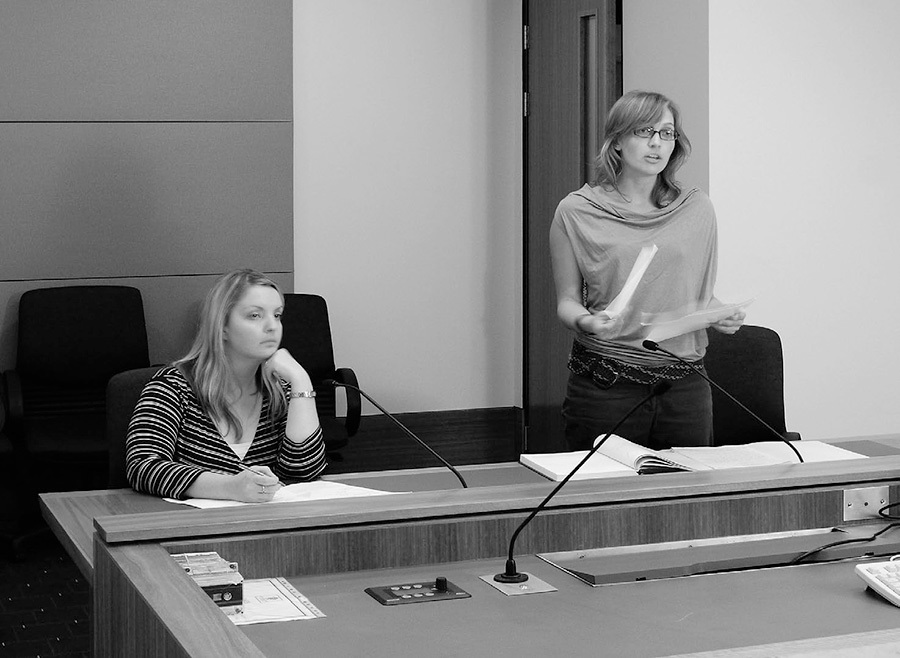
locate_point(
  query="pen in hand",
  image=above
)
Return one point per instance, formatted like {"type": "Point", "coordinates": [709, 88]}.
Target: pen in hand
{"type": "Point", "coordinates": [244, 467]}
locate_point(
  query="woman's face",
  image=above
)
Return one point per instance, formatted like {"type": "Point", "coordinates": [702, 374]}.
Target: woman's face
{"type": "Point", "coordinates": [253, 328]}
{"type": "Point", "coordinates": [643, 157]}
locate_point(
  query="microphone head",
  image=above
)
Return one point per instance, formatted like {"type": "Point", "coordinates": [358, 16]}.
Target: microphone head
{"type": "Point", "coordinates": [650, 345]}
{"type": "Point", "coordinates": [331, 382]}
{"type": "Point", "coordinates": [662, 387]}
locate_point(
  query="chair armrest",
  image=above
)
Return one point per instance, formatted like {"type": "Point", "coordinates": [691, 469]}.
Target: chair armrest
{"type": "Point", "coordinates": [11, 386]}
{"type": "Point", "coordinates": [354, 404]}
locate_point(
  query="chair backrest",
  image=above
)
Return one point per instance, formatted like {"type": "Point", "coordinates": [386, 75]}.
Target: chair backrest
{"type": "Point", "coordinates": [750, 366]}
{"type": "Point", "coordinates": [307, 336]}
{"type": "Point", "coordinates": [122, 394]}
{"type": "Point", "coordinates": [79, 336]}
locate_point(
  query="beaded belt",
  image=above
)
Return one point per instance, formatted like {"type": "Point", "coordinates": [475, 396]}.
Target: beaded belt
{"type": "Point", "coordinates": [605, 371]}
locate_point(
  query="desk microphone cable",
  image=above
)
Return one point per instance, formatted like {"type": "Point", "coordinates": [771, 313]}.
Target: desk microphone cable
{"type": "Point", "coordinates": [855, 540]}
{"type": "Point", "coordinates": [890, 517]}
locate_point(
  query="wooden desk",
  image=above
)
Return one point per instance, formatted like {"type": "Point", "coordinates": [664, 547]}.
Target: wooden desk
{"type": "Point", "coordinates": [445, 526]}
{"type": "Point", "coordinates": [809, 610]}
{"type": "Point", "coordinates": [71, 515]}
{"type": "Point", "coordinates": [795, 609]}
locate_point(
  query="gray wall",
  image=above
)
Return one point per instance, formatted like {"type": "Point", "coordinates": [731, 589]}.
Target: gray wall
{"type": "Point", "coordinates": [147, 144]}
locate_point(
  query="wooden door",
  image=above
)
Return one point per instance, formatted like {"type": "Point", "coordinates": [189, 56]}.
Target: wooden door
{"type": "Point", "coordinates": [572, 76]}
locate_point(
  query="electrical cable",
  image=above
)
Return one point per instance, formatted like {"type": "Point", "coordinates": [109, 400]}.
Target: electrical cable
{"type": "Point", "coordinates": [855, 540]}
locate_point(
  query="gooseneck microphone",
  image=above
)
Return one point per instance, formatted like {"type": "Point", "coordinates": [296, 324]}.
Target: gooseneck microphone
{"type": "Point", "coordinates": [653, 346]}
{"type": "Point", "coordinates": [512, 574]}
{"type": "Point", "coordinates": [403, 427]}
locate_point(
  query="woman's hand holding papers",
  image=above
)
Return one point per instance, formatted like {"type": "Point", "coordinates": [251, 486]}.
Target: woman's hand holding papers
{"type": "Point", "coordinates": [599, 324]}
{"type": "Point", "coordinates": [732, 323]}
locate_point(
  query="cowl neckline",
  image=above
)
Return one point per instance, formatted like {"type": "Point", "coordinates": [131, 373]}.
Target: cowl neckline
{"type": "Point", "coordinates": [607, 204]}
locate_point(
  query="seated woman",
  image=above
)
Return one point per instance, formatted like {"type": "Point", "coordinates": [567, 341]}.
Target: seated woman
{"type": "Point", "coordinates": [237, 414]}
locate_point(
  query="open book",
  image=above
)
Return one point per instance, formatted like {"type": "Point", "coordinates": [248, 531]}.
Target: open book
{"type": "Point", "coordinates": [618, 457]}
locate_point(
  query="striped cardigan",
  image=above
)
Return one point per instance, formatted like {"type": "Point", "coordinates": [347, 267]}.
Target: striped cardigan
{"type": "Point", "coordinates": [171, 441]}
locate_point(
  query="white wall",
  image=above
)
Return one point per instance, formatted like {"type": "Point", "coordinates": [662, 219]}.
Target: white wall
{"type": "Point", "coordinates": [651, 61]}
{"type": "Point", "coordinates": [804, 158]}
{"type": "Point", "coordinates": [408, 188]}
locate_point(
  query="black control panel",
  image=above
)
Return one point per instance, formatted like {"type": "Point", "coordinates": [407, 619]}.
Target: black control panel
{"type": "Point", "coordinates": [439, 589]}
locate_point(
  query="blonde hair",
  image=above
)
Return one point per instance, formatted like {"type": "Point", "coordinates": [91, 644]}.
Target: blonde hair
{"type": "Point", "coordinates": [205, 366]}
{"type": "Point", "coordinates": [635, 110]}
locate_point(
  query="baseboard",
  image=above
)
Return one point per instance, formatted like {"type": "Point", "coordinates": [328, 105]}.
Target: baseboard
{"type": "Point", "coordinates": [465, 436]}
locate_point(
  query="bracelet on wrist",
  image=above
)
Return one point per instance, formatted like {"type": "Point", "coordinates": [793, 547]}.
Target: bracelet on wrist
{"type": "Point", "coordinates": [302, 394]}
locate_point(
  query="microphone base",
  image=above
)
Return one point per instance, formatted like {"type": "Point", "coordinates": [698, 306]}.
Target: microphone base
{"type": "Point", "coordinates": [533, 585]}
{"type": "Point", "coordinates": [511, 578]}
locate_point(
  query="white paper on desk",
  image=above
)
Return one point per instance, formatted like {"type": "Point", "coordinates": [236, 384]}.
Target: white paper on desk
{"type": "Point", "coordinates": [660, 331]}
{"type": "Point", "coordinates": [292, 493]}
{"type": "Point", "coordinates": [273, 599]}
{"type": "Point", "coordinates": [811, 451]}
{"type": "Point", "coordinates": [623, 299]}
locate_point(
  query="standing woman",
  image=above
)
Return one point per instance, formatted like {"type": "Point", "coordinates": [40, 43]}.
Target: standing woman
{"type": "Point", "coordinates": [595, 238]}
{"type": "Point", "coordinates": [236, 414]}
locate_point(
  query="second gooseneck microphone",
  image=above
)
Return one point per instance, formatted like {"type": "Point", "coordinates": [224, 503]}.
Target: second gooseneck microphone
{"type": "Point", "coordinates": [332, 382]}
{"type": "Point", "coordinates": [512, 574]}
{"type": "Point", "coordinates": [653, 346]}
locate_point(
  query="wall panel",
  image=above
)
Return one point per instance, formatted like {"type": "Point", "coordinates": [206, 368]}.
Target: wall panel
{"type": "Point", "coordinates": [144, 143]}
{"type": "Point", "coordinates": [166, 60]}
{"type": "Point", "coordinates": [111, 199]}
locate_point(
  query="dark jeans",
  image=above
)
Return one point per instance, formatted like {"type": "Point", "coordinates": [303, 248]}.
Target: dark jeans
{"type": "Point", "coordinates": [682, 416]}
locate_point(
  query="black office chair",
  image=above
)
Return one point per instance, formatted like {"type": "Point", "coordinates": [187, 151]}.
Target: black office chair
{"type": "Point", "coordinates": [750, 366]}
{"type": "Point", "coordinates": [122, 394]}
{"type": "Point", "coordinates": [9, 474]}
{"type": "Point", "coordinates": [71, 340]}
{"type": "Point", "coordinates": [307, 336]}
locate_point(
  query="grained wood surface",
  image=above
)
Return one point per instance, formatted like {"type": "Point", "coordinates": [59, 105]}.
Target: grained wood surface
{"type": "Point", "coordinates": [815, 610]}
{"type": "Point", "coordinates": [776, 498]}
{"type": "Point", "coordinates": [590, 513]}
{"type": "Point", "coordinates": [462, 436]}
{"type": "Point", "coordinates": [444, 540]}
{"type": "Point", "coordinates": [139, 592]}
{"type": "Point", "coordinates": [514, 499]}
{"type": "Point", "coordinates": [149, 607]}
{"type": "Point", "coordinates": [71, 517]}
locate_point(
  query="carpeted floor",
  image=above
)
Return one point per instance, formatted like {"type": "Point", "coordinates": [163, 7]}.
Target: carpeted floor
{"type": "Point", "coordinates": [44, 602]}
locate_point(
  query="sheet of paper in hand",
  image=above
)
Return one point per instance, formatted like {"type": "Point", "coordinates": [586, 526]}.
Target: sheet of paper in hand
{"type": "Point", "coordinates": [660, 331]}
